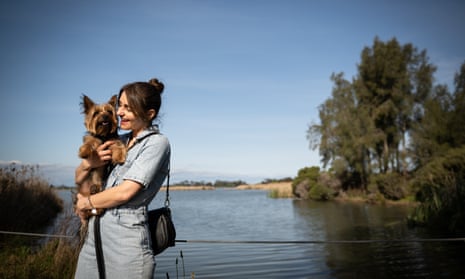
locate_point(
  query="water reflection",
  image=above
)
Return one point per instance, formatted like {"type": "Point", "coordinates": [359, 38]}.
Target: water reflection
{"type": "Point", "coordinates": [349, 221]}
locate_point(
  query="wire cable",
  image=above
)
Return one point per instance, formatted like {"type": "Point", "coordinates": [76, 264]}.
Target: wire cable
{"type": "Point", "coordinates": [457, 239]}
{"type": "Point", "coordinates": [321, 241]}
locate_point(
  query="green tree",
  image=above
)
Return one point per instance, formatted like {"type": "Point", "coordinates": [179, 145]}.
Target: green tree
{"type": "Point", "coordinates": [393, 82]}
{"type": "Point", "coordinates": [431, 137]}
{"type": "Point", "coordinates": [439, 143]}
{"type": "Point", "coordinates": [440, 126]}
{"type": "Point", "coordinates": [364, 125]}
{"type": "Point", "coordinates": [343, 133]}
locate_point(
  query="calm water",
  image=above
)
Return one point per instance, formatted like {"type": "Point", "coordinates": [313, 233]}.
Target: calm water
{"type": "Point", "coordinates": [250, 215]}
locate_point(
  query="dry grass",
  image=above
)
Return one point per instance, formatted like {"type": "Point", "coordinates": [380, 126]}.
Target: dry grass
{"type": "Point", "coordinates": [277, 189]}
{"type": "Point", "coordinates": [29, 204]}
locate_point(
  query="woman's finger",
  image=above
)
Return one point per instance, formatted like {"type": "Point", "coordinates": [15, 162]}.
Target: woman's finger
{"type": "Point", "coordinates": [105, 145]}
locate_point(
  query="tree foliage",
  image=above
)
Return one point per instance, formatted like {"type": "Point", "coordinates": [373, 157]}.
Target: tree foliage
{"type": "Point", "coordinates": [391, 127]}
{"type": "Point", "coordinates": [440, 188]}
{"type": "Point", "coordinates": [365, 123]}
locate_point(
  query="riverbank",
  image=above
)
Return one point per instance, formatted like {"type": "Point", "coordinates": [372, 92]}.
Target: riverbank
{"type": "Point", "coordinates": [284, 190]}
{"type": "Point", "coordinates": [188, 188]}
{"type": "Point", "coordinates": [277, 189]}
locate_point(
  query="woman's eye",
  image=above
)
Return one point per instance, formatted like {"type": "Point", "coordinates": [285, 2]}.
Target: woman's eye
{"type": "Point", "coordinates": [125, 107]}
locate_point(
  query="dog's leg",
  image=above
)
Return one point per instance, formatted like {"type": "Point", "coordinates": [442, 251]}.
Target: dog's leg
{"type": "Point", "coordinates": [118, 152]}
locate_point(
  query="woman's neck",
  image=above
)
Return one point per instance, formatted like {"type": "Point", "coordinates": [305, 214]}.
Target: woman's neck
{"type": "Point", "coordinates": [135, 133]}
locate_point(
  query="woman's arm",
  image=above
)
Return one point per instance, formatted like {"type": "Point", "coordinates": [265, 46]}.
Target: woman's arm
{"type": "Point", "coordinates": [109, 198]}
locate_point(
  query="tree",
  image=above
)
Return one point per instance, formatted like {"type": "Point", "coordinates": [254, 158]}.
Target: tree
{"type": "Point", "coordinates": [393, 82]}
{"type": "Point", "coordinates": [342, 130]}
{"type": "Point", "coordinates": [431, 137]}
{"type": "Point", "coordinates": [439, 143]}
{"type": "Point", "coordinates": [364, 125]}
{"type": "Point", "coordinates": [440, 125]}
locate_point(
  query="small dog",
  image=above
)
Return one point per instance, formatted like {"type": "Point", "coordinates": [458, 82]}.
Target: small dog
{"type": "Point", "coordinates": [101, 123]}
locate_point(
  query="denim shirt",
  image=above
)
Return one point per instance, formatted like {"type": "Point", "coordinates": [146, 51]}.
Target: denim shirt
{"type": "Point", "coordinates": [147, 162]}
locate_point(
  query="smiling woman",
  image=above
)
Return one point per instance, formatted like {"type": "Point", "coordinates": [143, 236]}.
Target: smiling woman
{"type": "Point", "coordinates": [129, 189]}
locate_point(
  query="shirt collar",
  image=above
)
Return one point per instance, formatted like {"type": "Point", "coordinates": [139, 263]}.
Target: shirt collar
{"type": "Point", "coordinates": [143, 134]}
{"type": "Point", "coordinates": [147, 132]}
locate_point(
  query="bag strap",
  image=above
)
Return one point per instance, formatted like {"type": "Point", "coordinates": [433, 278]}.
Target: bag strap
{"type": "Point", "coordinates": [167, 199]}
{"type": "Point", "coordinates": [98, 248]}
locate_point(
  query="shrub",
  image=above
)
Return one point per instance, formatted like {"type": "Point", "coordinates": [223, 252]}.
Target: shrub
{"type": "Point", "coordinates": [391, 185]}
{"type": "Point", "coordinates": [55, 258]}
{"type": "Point", "coordinates": [305, 179]}
{"type": "Point", "coordinates": [27, 202]}
{"type": "Point", "coordinates": [320, 192]}
{"type": "Point", "coordinates": [441, 190]}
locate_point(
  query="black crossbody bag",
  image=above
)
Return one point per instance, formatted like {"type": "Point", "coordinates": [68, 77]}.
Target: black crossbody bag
{"type": "Point", "coordinates": [162, 230]}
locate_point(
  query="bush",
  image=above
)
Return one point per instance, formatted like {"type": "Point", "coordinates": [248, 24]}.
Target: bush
{"type": "Point", "coordinates": [53, 258]}
{"type": "Point", "coordinates": [27, 202]}
{"type": "Point", "coordinates": [304, 181]}
{"type": "Point", "coordinates": [392, 186]}
{"type": "Point", "coordinates": [310, 183]}
{"type": "Point", "coordinates": [441, 190]}
{"type": "Point", "coordinates": [320, 192]}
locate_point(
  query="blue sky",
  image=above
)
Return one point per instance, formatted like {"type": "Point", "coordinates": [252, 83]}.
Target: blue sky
{"type": "Point", "coordinates": [243, 79]}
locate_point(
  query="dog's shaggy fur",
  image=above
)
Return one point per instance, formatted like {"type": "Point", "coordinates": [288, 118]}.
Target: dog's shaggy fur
{"type": "Point", "coordinates": [101, 123]}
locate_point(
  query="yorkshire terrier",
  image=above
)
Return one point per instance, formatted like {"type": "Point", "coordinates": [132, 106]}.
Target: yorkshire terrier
{"type": "Point", "coordinates": [101, 123]}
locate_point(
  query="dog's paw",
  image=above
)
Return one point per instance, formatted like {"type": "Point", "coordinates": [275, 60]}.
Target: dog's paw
{"type": "Point", "coordinates": [85, 151]}
{"type": "Point", "coordinates": [118, 153]}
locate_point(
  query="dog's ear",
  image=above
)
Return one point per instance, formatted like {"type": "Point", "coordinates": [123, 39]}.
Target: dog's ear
{"type": "Point", "coordinates": [113, 100]}
{"type": "Point", "coordinates": [86, 103]}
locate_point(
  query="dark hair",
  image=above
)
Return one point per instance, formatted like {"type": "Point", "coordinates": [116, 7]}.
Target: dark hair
{"type": "Point", "coordinates": [143, 96]}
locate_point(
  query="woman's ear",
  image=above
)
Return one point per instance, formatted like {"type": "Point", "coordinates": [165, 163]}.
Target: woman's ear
{"type": "Point", "coordinates": [151, 114]}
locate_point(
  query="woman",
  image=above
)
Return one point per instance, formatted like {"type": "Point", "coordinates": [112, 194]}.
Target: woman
{"type": "Point", "coordinates": [129, 189]}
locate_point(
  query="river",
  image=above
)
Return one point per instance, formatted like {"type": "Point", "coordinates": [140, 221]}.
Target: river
{"type": "Point", "coordinates": [215, 224]}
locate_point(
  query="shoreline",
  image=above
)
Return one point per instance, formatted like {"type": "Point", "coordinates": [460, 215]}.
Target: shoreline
{"type": "Point", "coordinates": [188, 188]}
{"type": "Point", "coordinates": [276, 189]}
{"type": "Point", "coordinates": [274, 186]}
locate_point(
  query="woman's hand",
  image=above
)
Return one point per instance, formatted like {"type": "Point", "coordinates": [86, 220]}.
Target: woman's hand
{"type": "Point", "coordinates": [80, 208]}
{"type": "Point", "coordinates": [102, 158]}
{"type": "Point", "coordinates": [103, 155]}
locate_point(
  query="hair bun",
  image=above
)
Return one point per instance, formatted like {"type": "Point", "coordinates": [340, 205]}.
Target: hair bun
{"type": "Point", "coordinates": [157, 84]}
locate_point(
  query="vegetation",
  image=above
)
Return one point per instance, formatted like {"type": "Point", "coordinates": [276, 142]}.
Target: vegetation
{"type": "Point", "coordinates": [310, 183]}
{"type": "Point", "coordinates": [25, 196]}
{"type": "Point", "coordinates": [392, 133]}
{"type": "Point", "coordinates": [277, 180]}
{"type": "Point", "coordinates": [217, 183]}
{"type": "Point", "coordinates": [441, 191]}
{"type": "Point", "coordinates": [55, 258]}
{"type": "Point", "coordinates": [29, 204]}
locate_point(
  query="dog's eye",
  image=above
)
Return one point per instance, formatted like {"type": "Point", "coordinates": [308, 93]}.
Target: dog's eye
{"type": "Point", "coordinates": [95, 114]}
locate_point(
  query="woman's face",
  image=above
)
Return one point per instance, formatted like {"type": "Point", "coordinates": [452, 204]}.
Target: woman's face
{"type": "Point", "coordinates": [129, 121]}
